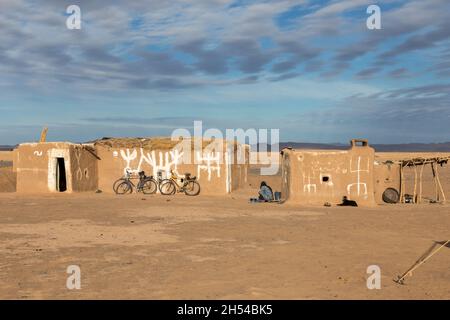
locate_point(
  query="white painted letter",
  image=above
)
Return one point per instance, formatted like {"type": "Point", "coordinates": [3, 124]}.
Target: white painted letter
{"type": "Point", "coordinates": [74, 20]}
{"type": "Point", "coordinates": [374, 21]}
{"type": "Point", "coordinates": [74, 280]}
{"type": "Point", "coordinates": [374, 280]}
{"type": "Point", "coordinates": [264, 156]}
{"type": "Point", "coordinates": [184, 146]}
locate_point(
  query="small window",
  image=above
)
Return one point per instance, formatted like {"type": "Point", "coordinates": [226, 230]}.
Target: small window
{"type": "Point", "coordinates": [325, 179]}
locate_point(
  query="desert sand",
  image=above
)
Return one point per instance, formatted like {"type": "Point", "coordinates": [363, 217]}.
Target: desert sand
{"type": "Point", "coordinates": [156, 247]}
{"type": "Point", "coordinates": [222, 247]}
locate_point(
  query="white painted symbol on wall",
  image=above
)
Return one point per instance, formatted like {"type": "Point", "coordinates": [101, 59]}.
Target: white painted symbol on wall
{"type": "Point", "coordinates": [307, 185]}
{"type": "Point", "coordinates": [80, 172]}
{"type": "Point", "coordinates": [165, 162]}
{"type": "Point", "coordinates": [361, 187]}
{"type": "Point", "coordinates": [38, 153]}
{"type": "Point", "coordinates": [128, 157]}
{"type": "Point", "coordinates": [208, 162]}
{"type": "Point", "coordinates": [228, 161]}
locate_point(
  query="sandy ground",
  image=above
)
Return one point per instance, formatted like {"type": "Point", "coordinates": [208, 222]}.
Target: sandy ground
{"type": "Point", "coordinates": [7, 179]}
{"type": "Point", "coordinates": [215, 248]}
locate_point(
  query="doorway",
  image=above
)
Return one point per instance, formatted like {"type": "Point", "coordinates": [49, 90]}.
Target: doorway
{"type": "Point", "coordinates": [61, 183]}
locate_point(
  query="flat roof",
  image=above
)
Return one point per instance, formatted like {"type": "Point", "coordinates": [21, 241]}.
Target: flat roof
{"type": "Point", "coordinates": [315, 150]}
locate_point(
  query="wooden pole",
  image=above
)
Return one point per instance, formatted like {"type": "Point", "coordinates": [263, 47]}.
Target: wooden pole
{"type": "Point", "coordinates": [436, 194]}
{"type": "Point", "coordinates": [415, 185]}
{"type": "Point", "coordinates": [419, 263]}
{"type": "Point", "coordinates": [43, 137]}
{"type": "Point", "coordinates": [420, 183]}
{"type": "Point", "coordinates": [402, 186]}
{"type": "Point", "coordinates": [439, 184]}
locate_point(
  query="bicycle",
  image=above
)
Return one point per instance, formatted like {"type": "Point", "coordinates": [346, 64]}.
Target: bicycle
{"type": "Point", "coordinates": [170, 186]}
{"type": "Point", "coordinates": [146, 185]}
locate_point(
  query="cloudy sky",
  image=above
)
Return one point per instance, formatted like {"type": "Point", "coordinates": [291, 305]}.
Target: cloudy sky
{"type": "Point", "coordinates": [309, 68]}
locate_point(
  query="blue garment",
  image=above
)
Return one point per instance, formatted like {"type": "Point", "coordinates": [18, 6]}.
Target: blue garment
{"type": "Point", "coordinates": [266, 193]}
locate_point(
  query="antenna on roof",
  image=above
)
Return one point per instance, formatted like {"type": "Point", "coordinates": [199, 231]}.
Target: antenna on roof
{"type": "Point", "coordinates": [43, 135]}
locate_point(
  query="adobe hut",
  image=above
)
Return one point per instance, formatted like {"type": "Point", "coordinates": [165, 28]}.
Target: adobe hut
{"type": "Point", "coordinates": [214, 168]}
{"type": "Point", "coordinates": [55, 166]}
{"type": "Point", "coordinates": [69, 167]}
{"type": "Point", "coordinates": [319, 176]}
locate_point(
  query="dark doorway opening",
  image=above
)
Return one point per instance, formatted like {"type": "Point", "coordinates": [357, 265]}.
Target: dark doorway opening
{"type": "Point", "coordinates": [61, 184]}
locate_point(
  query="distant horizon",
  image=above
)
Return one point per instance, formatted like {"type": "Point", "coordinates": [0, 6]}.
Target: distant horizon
{"type": "Point", "coordinates": [281, 143]}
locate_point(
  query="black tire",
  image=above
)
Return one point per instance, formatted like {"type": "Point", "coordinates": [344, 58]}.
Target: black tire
{"type": "Point", "coordinates": [167, 187]}
{"type": "Point", "coordinates": [123, 188]}
{"type": "Point", "coordinates": [117, 182]}
{"type": "Point", "coordinates": [149, 186]}
{"type": "Point", "coordinates": [192, 188]}
{"type": "Point", "coordinates": [391, 195]}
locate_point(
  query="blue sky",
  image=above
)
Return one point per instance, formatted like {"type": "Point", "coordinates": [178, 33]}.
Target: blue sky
{"type": "Point", "coordinates": [309, 68]}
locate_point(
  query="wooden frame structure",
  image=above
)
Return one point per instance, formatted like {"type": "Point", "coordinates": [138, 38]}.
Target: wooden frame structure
{"type": "Point", "coordinates": [434, 162]}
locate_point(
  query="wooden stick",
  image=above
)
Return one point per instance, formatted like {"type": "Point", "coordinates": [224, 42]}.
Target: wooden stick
{"type": "Point", "coordinates": [402, 186]}
{"type": "Point", "coordinates": [415, 185]}
{"type": "Point", "coordinates": [439, 184]}
{"type": "Point", "coordinates": [419, 263]}
{"type": "Point", "coordinates": [436, 194]}
{"type": "Point", "coordinates": [420, 183]}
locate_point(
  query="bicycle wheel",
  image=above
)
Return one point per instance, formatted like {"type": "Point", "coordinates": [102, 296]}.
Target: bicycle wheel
{"type": "Point", "coordinates": [167, 187]}
{"type": "Point", "coordinates": [117, 182]}
{"type": "Point", "coordinates": [123, 188]}
{"type": "Point", "coordinates": [149, 186]}
{"type": "Point", "coordinates": [192, 188]}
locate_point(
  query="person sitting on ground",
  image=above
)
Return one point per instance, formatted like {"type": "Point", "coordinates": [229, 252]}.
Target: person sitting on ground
{"type": "Point", "coordinates": [265, 192]}
{"type": "Point", "coordinates": [346, 202]}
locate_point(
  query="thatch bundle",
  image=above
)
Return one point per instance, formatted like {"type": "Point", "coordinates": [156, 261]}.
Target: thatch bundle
{"type": "Point", "coordinates": [145, 143]}
{"type": "Point", "coordinates": [154, 143]}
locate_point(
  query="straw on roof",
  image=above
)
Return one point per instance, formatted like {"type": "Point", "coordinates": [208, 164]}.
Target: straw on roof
{"type": "Point", "coordinates": [146, 143]}
{"type": "Point", "coordinates": [419, 161]}
{"type": "Point", "coordinates": [154, 143]}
